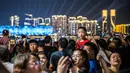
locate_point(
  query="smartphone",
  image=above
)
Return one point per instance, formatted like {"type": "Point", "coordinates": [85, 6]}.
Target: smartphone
{"type": "Point", "coordinates": [66, 52]}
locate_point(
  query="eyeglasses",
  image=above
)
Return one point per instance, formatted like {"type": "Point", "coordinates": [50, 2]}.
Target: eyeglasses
{"type": "Point", "coordinates": [37, 63]}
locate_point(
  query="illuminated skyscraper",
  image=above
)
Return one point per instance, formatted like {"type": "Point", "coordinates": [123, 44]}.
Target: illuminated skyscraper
{"type": "Point", "coordinates": [75, 23]}
{"type": "Point", "coordinates": [112, 19]}
{"type": "Point", "coordinates": [104, 20]}
{"type": "Point", "coordinates": [59, 23]}
{"type": "Point", "coordinates": [72, 25]}
{"type": "Point", "coordinates": [81, 22]}
{"type": "Point", "coordinates": [14, 20]}
{"type": "Point", "coordinates": [54, 23]}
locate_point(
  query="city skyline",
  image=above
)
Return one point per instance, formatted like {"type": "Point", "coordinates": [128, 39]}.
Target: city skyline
{"type": "Point", "coordinates": [46, 8]}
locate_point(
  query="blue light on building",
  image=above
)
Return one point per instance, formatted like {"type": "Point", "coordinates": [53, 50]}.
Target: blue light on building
{"type": "Point", "coordinates": [28, 30]}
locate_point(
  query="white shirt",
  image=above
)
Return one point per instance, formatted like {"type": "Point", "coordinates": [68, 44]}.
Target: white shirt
{"type": "Point", "coordinates": [9, 66]}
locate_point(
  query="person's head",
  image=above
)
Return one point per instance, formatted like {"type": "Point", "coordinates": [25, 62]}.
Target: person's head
{"type": "Point", "coordinates": [127, 39]}
{"type": "Point", "coordinates": [5, 32]}
{"type": "Point", "coordinates": [34, 62]}
{"type": "Point", "coordinates": [41, 46]}
{"type": "Point", "coordinates": [63, 43]}
{"type": "Point", "coordinates": [19, 41]}
{"type": "Point", "coordinates": [91, 50]}
{"type": "Point", "coordinates": [72, 44]}
{"type": "Point", "coordinates": [20, 49]}
{"type": "Point", "coordinates": [112, 46]}
{"type": "Point", "coordinates": [80, 58]}
{"type": "Point", "coordinates": [115, 59]}
{"type": "Point", "coordinates": [117, 42]}
{"type": "Point", "coordinates": [48, 41]}
{"type": "Point", "coordinates": [4, 53]}
{"type": "Point", "coordinates": [82, 32]}
{"type": "Point", "coordinates": [33, 45]}
{"type": "Point", "coordinates": [26, 63]}
{"type": "Point", "coordinates": [110, 40]}
{"type": "Point", "coordinates": [43, 58]}
{"type": "Point", "coordinates": [102, 43]}
{"type": "Point", "coordinates": [55, 44]}
{"type": "Point", "coordinates": [23, 36]}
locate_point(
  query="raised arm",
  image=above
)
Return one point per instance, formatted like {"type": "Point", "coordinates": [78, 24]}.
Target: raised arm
{"type": "Point", "coordinates": [63, 65]}
{"type": "Point", "coordinates": [124, 43]}
{"type": "Point", "coordinates": [103, 64]}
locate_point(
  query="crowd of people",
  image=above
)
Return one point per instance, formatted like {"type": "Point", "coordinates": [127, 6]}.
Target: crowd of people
{"type": "Point", "coordinates": [83, 55]}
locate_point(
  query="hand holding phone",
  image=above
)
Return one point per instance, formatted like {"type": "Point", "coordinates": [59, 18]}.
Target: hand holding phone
{"type": "Point", "coordinates": [63, 65]}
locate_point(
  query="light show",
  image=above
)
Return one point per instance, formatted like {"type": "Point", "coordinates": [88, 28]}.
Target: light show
{"type": "Point", "coordinates": [28, 30]}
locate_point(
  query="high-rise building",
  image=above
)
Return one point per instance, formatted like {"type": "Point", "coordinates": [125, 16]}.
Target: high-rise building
{"type": "Point", "coordinates": [75, 23]}
{"type": "Point", "coordinates": [64, 24]}
{"type": "Point", "coordinates": [14, 20]}
{"type": "Point", "coordinates": [72, 25]}
{"type": "Point", "coordinates": [112, 19]}
{"type": "Point", "coordinates": [122, 28]}
{"type": "Point", "coordinates": [59, 23]}
{"type": "Point", "coordinates": [104, 20]}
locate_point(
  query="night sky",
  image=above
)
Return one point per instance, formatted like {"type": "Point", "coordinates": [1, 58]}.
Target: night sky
{"type": "Point", "coordinates": [46, 8]}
